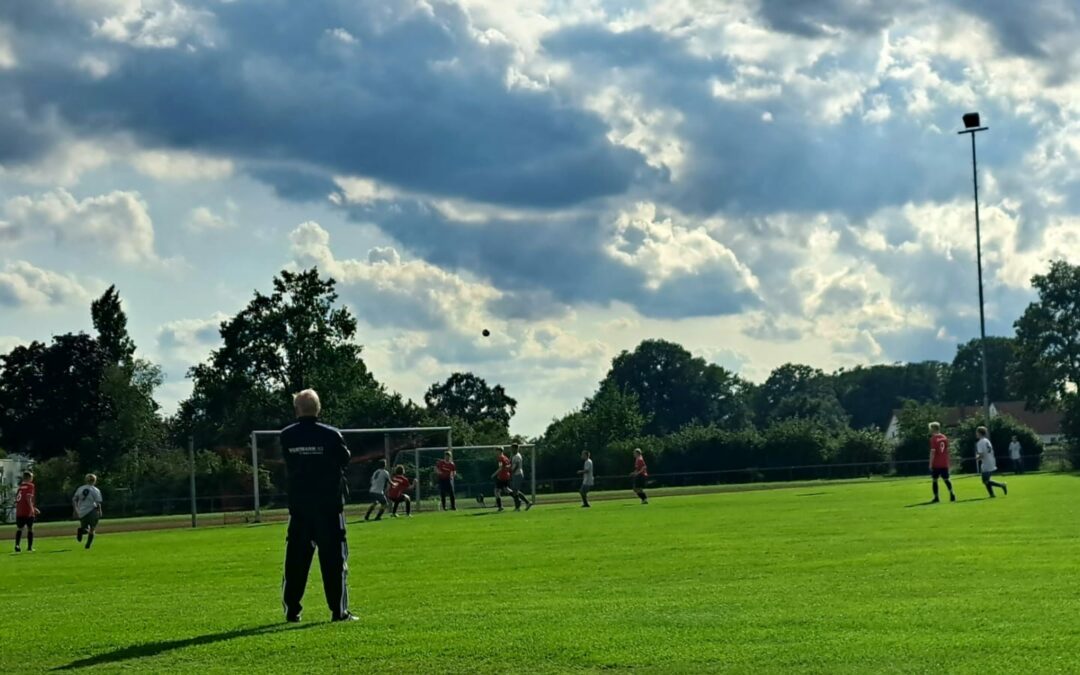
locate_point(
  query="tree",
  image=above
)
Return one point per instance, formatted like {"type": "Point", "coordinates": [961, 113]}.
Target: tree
{"type": "Point", "coordinates": [1048, 338]}
{"type": "Point", "coordinates": [674, 388]}
{"type": "Point", "coordinates": [795, 391]}
{"type": "Point", "coordinates": [964, 384]}
{"type": "Point", "coordinates": [912, 453]}
{"type": "Point", "coordinates": [870, 394]}
{"type": "Point", "coordinates": [607, 418]}
{"type": "Point", "coordinates": [469, 398]}
{"type": "Point", "coordinates": [51, 396]}
{"type": "Point", "coordinates": [296, 337]}
{"type": "Point", "coordinates": [110, 322]}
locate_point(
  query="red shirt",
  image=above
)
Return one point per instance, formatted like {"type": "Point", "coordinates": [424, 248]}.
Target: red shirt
{"type": "Point", "coordinates": [445, 469]}
{"type": "Point", "coordinates": [639, 465]}
{"type": "Point", "coordinates": [398, 486]}
{"type": "Point", "coordinates": [939, 447]}
{"type": "Point", "coordinates": [504, 468]}
{"type": "Point", "coordinates": [24, 501]}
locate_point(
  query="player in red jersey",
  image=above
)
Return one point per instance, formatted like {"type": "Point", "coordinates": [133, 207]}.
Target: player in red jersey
{"type": "Point", "coordinates": [502, 478]}
{"type": "Point", "coordinates": [25, 511]}
{"type": "Point", "coordinates": [399, 485]}
{"type": "Point", "coordinates": [640, 474]}
{"type": "Point", "coordinates": [940, 460]}
{"type": "Point", "coordinates": [446, 471]}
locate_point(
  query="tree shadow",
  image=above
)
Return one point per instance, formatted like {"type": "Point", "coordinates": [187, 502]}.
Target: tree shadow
{"type": "Point", "coordinates": [485, 513]}
{"type": "Point", "coordinates": [151, 649]}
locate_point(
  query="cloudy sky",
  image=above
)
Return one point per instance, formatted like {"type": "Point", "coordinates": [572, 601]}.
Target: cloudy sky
{"type": "Point", "coordinates": [761, 180]}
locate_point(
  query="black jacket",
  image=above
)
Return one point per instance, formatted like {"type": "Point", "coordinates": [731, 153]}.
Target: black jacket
{"type": "Point", "coordinates": [315, 459]}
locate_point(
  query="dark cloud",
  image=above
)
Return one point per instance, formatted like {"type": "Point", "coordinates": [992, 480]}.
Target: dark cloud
{"type": "Point", "coordinates": [416, 101]}
{"type": "Point", "coordinates": [814, 18]}
{"type": "Point", "coordinates": [528, 306]}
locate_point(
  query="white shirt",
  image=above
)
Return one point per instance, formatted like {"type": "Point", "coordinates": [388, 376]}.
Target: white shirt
{"type": "Point", "coordinates": [87, 499]}
{"type": "Point", "coordinates": [517, 465]}
{"type": "Point", "coordinates": [984, 452]}
{"type": "Point", "coordinates": [379, 479]}
{"type": "Point", "coordinates": [1014, 450]}
{"type": "Point", "coordinates": [587, 476]}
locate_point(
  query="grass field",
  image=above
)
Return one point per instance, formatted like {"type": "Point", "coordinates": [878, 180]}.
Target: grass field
{"type": "Point", "coordinates": [848, 578]}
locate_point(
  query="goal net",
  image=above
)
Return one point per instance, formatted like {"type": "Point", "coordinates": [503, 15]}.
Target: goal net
{"type": "Point", "coordinates": [367, 446]}
{"type": "Point", "coordinates": [474, 466]}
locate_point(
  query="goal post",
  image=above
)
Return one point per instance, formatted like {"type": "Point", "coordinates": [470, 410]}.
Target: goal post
{"type": "Point", "coordinates": [434, 452]}
{"type": "Point", "coordinates": [362, 442]}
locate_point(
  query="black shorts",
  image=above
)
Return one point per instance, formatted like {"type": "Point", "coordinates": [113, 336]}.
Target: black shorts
{"type": "Point", "coordinates": [24, 521]}
{"type": "Point", "coordinates": [639, 482]}
{"type": "Point", "coordinates": [939, 473]}
{"type": "Point", "coordinates": [377, 498]}
{"type": "Point", "coordinates": [89, 520]}
{"type": "Point", "coordinates": [501, 484]}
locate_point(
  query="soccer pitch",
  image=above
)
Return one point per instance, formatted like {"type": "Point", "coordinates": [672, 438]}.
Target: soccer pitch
{"type": "Point", "coordinates": [832, 578]}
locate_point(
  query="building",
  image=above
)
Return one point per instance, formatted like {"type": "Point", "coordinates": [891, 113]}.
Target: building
{"type": "Point", "coordinates": [1046, 424]}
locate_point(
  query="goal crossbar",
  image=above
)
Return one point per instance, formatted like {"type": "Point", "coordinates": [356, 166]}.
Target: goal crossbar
{"type": "Point", "coordinates": [385, 431]}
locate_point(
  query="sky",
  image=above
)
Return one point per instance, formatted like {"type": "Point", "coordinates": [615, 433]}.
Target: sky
{"type": "Point", "coordinates": [762, 181]}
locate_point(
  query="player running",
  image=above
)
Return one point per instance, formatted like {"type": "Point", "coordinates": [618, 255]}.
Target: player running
{"type": "Point", "coordinates": [940, 461]}
{"type": "Point", "coordinates": [517, 478]}
{"type": "Point", "coordinates": [399, 485]}
{"type": "Point", "coordinates": [640, 474]}
{"type": "Point", "coordinates": [87, 505]}
{"type": "Point", "coordinates": [587, 478]}
{"type": "Point", "coordinates": [25, 511]}
{"type": "Point", "coordinates": [502, 478]}
{"type": "Point", "coordinates": [984, 456]}
{"type": "Point", "coordinates": [446, 471]}
{"type": "Point", "coordinates": [379, 480]}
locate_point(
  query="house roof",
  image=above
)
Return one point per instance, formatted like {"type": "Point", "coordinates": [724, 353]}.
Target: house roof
{"type": "Point", "coordinates": [1043, 423]}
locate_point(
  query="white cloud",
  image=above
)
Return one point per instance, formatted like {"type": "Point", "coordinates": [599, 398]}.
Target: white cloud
{"type": "Point", "coordinates": [63, 165]}
{"type": "Point", "coordinates": [8, 61]}
{"type": "Point", "coordinates": [172, 165]}
{"type": "Point", "coordinates": [341, 35]}
{"type": "Point", "coordinates": [22, 285]}
{"type": "Point", "coordinates": [9, 342]}
{"type": "Point", "coordinates": [360, 190]}
{"type": "Point", "coordinates": [151, 24]}
{"type": "Point", "coordinates": [190, 340]}
{"type": "Point", "coordinates": [118, 222]}
{"type": "Point", "coordinates": [202, 219]}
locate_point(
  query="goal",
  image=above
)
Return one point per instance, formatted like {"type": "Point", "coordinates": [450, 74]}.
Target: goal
{"type": "Point", "coordinates": [395, 445]}
{"type": "Point", "coordinates": [475, 464]}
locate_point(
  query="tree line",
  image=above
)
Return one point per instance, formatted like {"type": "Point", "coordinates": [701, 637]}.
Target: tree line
{"type": "Point", "coordinates": [85, 402]}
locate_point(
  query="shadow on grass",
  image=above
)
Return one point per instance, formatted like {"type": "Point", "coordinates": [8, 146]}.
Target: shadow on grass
{"type": "Point", "coordinates": [958, 501]}
{"type": "Point", "coordinates": [485, 513]}
{"type": "Point", "coordinates": [151, 649]}
{"type": "Point", "coordinates": [812, 494]}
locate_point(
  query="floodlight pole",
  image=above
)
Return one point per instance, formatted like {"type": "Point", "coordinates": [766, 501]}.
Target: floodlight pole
{"type": "Point", "coordinates": [978, 258]}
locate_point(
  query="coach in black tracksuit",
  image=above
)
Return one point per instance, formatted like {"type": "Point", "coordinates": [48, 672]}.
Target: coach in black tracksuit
{"type": "Point", "coordinates": [315, 459]}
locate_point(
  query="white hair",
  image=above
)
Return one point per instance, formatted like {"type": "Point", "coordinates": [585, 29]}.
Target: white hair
{"type": "Point", "coordinates": [306, 403]}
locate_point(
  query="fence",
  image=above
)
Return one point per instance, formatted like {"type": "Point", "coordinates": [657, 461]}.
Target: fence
{"type": "Point", "coordinates": [237, 507]}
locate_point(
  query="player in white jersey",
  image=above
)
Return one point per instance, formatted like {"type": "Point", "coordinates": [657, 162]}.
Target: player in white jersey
{"type": "Point", "coordinates": [87, 506]}
{"type": "Point", "coordinates": [517, 478]}
{"type": "Point", "coordinates": [587, 478]}
{"type": "Point", "coordinates": [984, 455]}
{"type": "Point", "coordinates": [379, 482]}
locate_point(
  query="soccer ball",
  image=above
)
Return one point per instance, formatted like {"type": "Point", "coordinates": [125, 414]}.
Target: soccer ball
{"type": "Point", "coordinates": [486, 333]}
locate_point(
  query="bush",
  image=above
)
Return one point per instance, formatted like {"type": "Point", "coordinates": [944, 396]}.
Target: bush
{"type": "Point", "coordinates": [1072, 428]}
{"type": "Point", "coordinates": [863, 447]}
{"type": "Point", "coordinates": [911, 455]}
{"type": "Point", "coordinates": [803, 443]}
{"type": "Point", "coordinates": [1001, 429]}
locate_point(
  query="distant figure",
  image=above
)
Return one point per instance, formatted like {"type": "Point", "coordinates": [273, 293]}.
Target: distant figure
{"type": "Point", "coordinates": [940, 460]}
{"type": "Point", "coordinates": [25, 511]}
{"type": "Point", "coordinates": [87, 505]}
{"type": "Point", "coordinates": [315, 460]}
{"type": "Point", "coordinates": [1015, 455]}
{"type": "Point", "coordinates": [517, 478]}
{"type": "Point", "coordinates": [588, 479]}
{"type": "Point", "coordinates": [446, 471]}
{"type": "Point", "coordinates": [379, 482]}
{"type": "Point", "coordinates": [399, 485]}
{"type": "Point", "coordinates": [984, 455]}
{"type": "Point", "coordinates": [640, 475]}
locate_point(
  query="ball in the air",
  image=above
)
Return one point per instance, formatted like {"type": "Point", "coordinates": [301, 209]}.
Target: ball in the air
{"type": "Point", "coordinates": [486, 333]}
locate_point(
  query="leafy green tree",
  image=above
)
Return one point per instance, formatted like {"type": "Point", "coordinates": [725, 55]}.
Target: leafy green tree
{"type": "Point", "coordinates": [294, 338]}
{"type": "Point", "coordinates": [1001, 429]}
{"type": "Point", "coordinates": [469, 398]}
{"type": "Point", "coordinates": [1048, 337]}
{"type": "Point", "coordinates": [798, 392]}
{"type": "Point", "coordinates": [110, 322]}
{"type": "Point", "coordinates": [912, 452]}
{"type": "Point", "coordinates": [869, 394]}
{"type": "Point", "coordinates": [675, 388]}
{"type": "Point", "coordinates": [964, 385]}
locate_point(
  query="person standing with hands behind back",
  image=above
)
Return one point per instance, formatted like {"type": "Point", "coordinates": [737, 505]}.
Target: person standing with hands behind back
{"type": "Point", "coordinates": [315, 460]}
{"type": "Point", "coordinates": [1015, 455]}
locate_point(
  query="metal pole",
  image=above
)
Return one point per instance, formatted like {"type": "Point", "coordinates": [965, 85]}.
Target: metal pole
{"type": "Point", "coordinates": [386, 448]}
{"type": "Point", "coordinates": [450, 448]}
{"type": "Point", "coordinates": [191, 457]}
{"type": "Point", "coordinates": [416, 461]}
{"type": "Point", "coordinates": [532, 473]}
{"type": "Point", "coordinates": [978, 258]}
{"type": "Point", "coordinates": [255, 476]}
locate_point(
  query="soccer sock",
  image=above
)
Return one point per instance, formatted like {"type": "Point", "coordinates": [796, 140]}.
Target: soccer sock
{"type": "Point", "coordinates": [30, 537]}
{"type": "Point", "coordinates": [18, 538]}
{"type": "Point", "coordinates": [643, 497]}
{"type": "Point", "coordinates": [498, 501]}
{"type": "Point", "coordinates": [936, 490]}
{"type": "Point", "coordinates": [89, 540]}
{"type": "Point", "coordinates": [948, 484]}
{"type": "Point", "coordinates": [990, 488]}
{"type": "Point", "coordinates": [408, 508]}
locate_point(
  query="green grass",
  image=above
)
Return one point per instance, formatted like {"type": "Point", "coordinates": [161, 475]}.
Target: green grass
{"type": "Point", "coordinates": [840, 578]}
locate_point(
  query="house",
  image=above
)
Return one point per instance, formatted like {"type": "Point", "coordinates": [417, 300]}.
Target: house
{"type": "Point", "coordinates": [1046, 424]}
